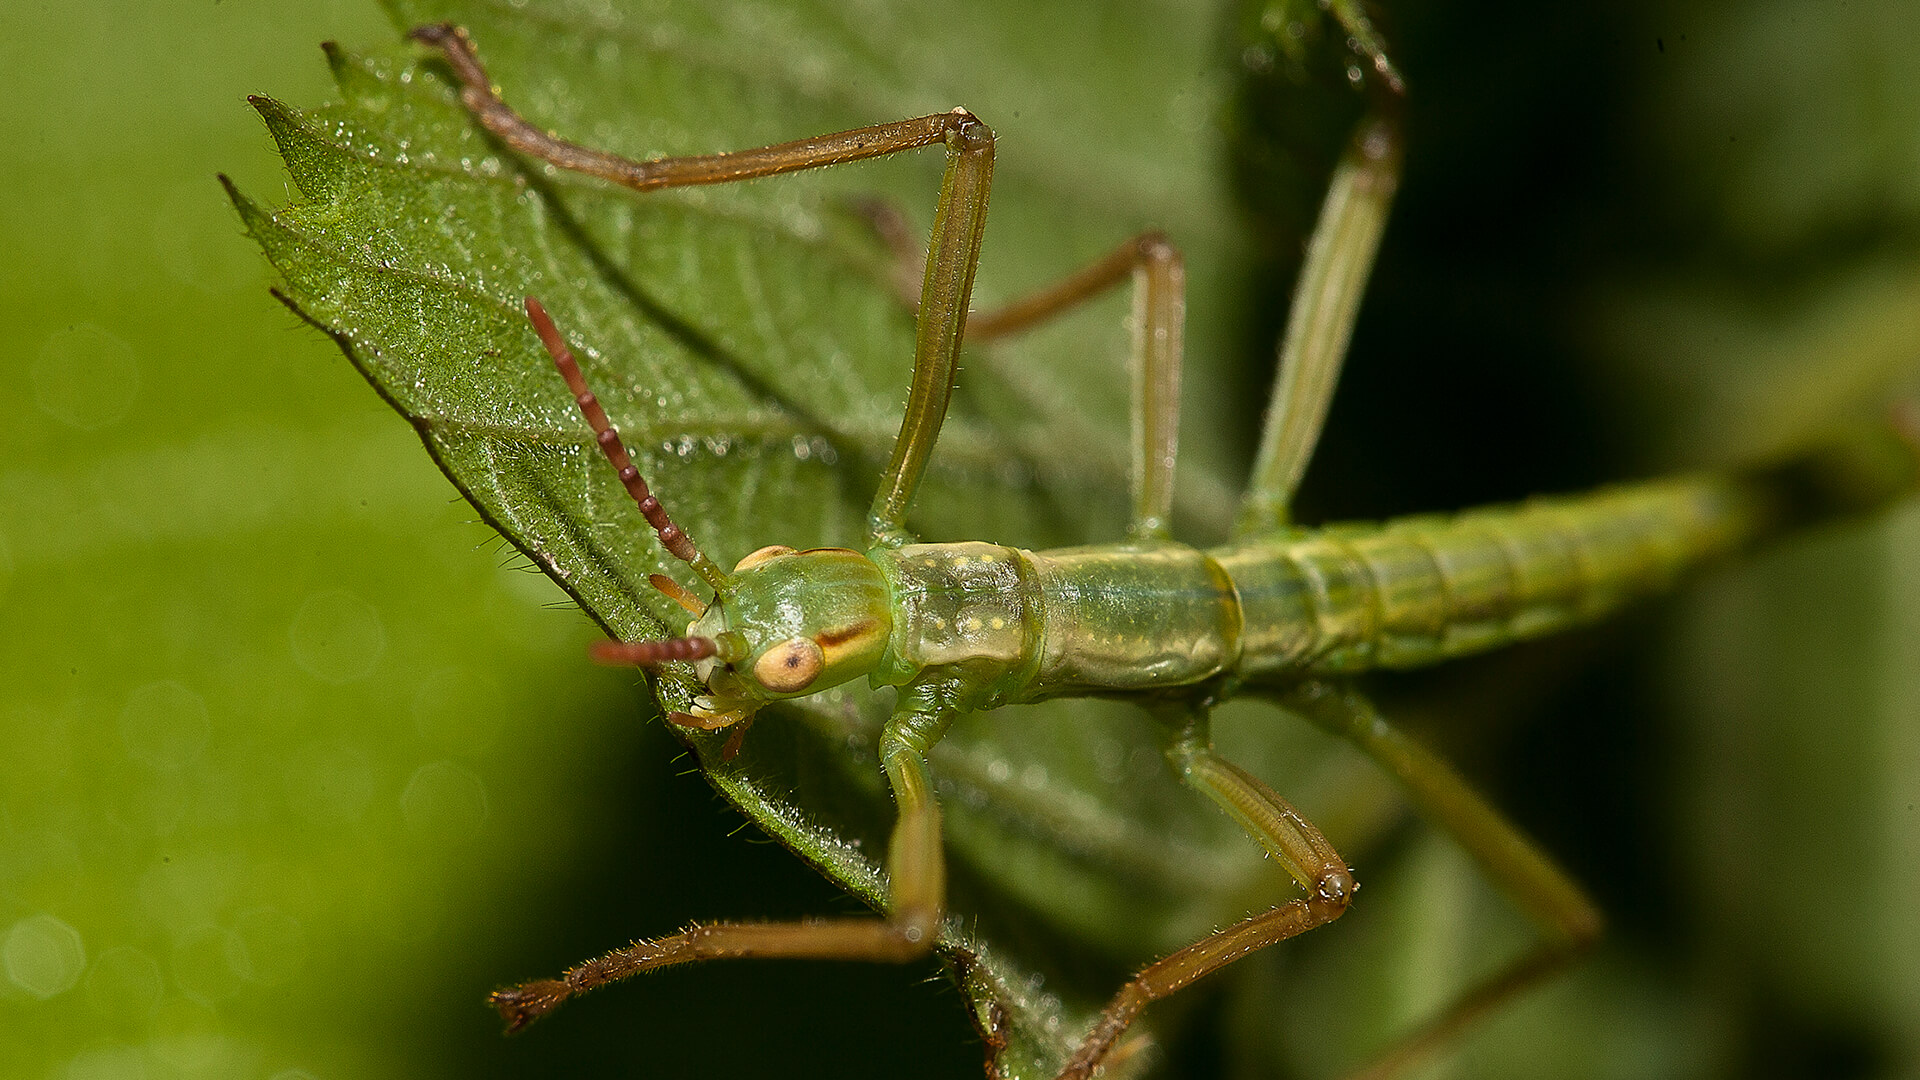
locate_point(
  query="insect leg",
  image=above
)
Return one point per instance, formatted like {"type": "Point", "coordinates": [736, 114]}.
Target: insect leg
{"type": "Point", "coordinates": [1289, 837]}
{"type": "Point", "coordinates": [917, 900]}
{"type": "Point", "coordinates": [1530, 879]}
{"type": "Point", "coordinates": [1325, 301]}
{"type": "Point", "coordinates": [916, 855]}
{"type": "Point", "coordinates": [890, 225]}
{"type": "Point", "coordinates": [1159, 316]}
{"type": "Point", "coordinates": [1159, 319]}
{"type": "Point", "coordinates": [959, 219]}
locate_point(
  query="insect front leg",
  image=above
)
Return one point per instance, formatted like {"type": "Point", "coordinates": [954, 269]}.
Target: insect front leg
{"type": "Point", "coordinates": [959, 221]}
{"type": "Point", "coordinates": [1274, 823]}
{"type": "Point", "coordinates": [916, 856]}
{"type": "Point", "coordinates": [916, 869]}
{"type": "Point", "coordinates": [1539, 888]}
{"type": "Point", "coordinates": [1326, 300]}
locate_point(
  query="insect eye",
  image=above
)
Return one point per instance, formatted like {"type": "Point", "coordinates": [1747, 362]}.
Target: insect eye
{"type": "Point", "coordinates": [755, 558]}
{"type": "Point", "coordinates": [790, 666]}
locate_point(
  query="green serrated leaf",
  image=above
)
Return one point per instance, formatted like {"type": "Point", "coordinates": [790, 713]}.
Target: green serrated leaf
{"type": "Point", "coordinates": [748, 343]}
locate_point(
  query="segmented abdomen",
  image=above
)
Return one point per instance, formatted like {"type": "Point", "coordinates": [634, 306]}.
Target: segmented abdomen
{"type": "Point", "coordinates": [1414, 591]}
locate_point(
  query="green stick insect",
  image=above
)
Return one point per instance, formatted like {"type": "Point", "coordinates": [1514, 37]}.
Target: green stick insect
{"type": "Point", "coordinates": [1280, 612]}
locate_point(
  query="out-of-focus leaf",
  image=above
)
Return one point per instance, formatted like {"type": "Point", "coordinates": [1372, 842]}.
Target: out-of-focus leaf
{"type": "Point", "coordinates": [1790, 211]}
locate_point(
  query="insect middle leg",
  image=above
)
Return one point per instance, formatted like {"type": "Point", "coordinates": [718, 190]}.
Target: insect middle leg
{"type": "Point", "coordinates": [1272, 821]}
{"type": "Point", "coordinates": [1159, 318]}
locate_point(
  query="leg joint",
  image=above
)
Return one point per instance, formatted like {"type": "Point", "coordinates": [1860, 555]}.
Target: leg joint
{"type": "Point", "coordinates": [1334, 889]}
{"type": "Point", "coordinates": [966, 131]}
{"type": "Point", "coordinates": [916, 929]}
{"type": "Point", "coordinates": [1153, 247]}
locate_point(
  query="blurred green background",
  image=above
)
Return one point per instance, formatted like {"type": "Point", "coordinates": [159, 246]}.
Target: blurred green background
{"type": "Point", "coordinates": [300, 762]}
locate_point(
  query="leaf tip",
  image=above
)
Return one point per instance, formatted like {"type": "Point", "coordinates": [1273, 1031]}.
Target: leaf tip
{"type": "Point", "coordinates": [339, 61]}
{"type": "Point", "coordinates": [273, 111]}
{"type": "Point", "coordinates": [363, 82]}
{"type": "Point", "coordinates": [251, 215]}
{"type": "Point", "coordinates": [306, 154]}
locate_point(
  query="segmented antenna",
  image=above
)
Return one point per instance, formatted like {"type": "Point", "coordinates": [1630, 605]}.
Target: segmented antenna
{"type": "Point", "coordinates": [677, 593]}
{"type": "Point", "coordinates": [677, 542]}
{"type": "Point", "coordinates": [651, 653]}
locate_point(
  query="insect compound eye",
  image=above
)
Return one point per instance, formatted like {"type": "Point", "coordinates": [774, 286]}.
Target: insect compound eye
{"type": "Point", "coordinates": [790, 666]}
{"type": "Point", "coordinates": [755, 558]}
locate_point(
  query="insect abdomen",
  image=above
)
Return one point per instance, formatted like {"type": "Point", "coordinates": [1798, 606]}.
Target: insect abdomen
{"type": "Point", "coordinates": [1021, 626]}
{"type": "Point", "coordinates": [1419, 590]}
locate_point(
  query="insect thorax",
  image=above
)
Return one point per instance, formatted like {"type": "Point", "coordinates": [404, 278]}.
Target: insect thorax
{"type": "Point", "coordinates": [1004, 625]}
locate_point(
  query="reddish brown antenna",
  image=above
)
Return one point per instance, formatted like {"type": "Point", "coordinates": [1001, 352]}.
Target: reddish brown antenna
{"type": "Point", "coordinates": [677, 593]}
{"type": "Point", "coordinates": [651, 653]}
{"type": "Point", "coordinates": [677, 542]}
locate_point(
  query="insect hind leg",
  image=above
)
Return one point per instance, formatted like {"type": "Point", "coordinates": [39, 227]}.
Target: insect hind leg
{"type": "Point", "coordinates": [1326, 300]}
{"type": "Point", "coordinates": [1550, 899]}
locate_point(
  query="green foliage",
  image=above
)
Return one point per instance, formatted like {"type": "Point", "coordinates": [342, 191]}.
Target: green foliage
{"type": "Point", "coordinates": [297, 757]}
{"type": "Point", "coordinates": [746, 341]}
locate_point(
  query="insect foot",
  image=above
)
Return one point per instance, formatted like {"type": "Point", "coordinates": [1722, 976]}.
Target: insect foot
{"type": "Point", "coordinates": [522, 1005]}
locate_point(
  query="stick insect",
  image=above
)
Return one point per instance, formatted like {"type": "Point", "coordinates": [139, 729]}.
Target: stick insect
{"type": "Point", "coordinates": [1280, 612]}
